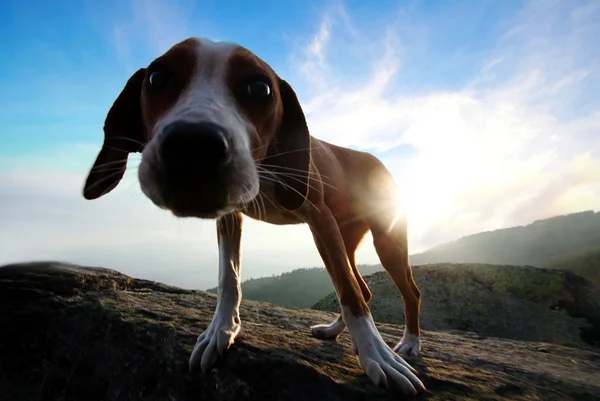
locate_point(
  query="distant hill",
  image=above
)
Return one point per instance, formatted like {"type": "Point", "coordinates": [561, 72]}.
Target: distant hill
{"type": "Point", "coordinates": [300, 288]}
{"type": "Point", "coordinates": [569, 242]}
{"type": "Point", "coordinates": [543, 243]}
{"type": "Point", "coordinates": [519, 303]}
{"type": "Point", "coordinates": [587, 265]}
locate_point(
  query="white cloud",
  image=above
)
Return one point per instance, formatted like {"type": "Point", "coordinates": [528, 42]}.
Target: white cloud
{"type": "Point", "coordinates": [151, 26]}
{"type": "Point", "coordinates": [311, 63]}
{"type": "Point", "coordinates": [44, 216]}
{"type": "Point", "coordinates": [501, 151]}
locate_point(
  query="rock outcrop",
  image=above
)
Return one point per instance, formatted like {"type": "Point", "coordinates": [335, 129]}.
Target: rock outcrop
{"type": "Point", "coordinates": [79, 333]}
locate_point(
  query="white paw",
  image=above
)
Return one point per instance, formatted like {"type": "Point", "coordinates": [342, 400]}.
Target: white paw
{"type": "Point", "coordinates": [328, 331]}
{"type": "Point", "coordinates": [215, 340]}
{"type": "Point", "coordinates": [409, 346]}
{"type": "Point", "coordinates": [383, 366]}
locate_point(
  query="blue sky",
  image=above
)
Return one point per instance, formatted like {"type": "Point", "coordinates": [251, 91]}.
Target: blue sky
{"type": "Point", "coordinates": [487, 112]}
{"type": "Point", "coordinates": [66, 60]}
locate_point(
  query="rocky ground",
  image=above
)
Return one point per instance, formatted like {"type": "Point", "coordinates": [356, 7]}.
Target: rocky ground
{"type": "Point", "coordinates": [76, 333]}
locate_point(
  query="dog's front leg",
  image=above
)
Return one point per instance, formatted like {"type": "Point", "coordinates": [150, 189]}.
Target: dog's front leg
{"type": "Point", "coordinates": [382, 365]}
{"type": "Point", "coordinates": [226, 323]}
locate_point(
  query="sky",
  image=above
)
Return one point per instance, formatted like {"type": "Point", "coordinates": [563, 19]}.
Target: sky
{"type": "Point", "coordinates": [486, 112]}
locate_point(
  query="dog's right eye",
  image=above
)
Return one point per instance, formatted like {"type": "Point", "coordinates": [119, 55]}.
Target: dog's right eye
{"type": "Point", "coordinates": [159, 79]}
{"type": "Point", "coordinates": [259, 89]}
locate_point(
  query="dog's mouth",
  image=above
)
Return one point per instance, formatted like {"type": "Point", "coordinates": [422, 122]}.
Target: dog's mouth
{"type": "Point", "coordinates": [202, 193]}
{"type": "Point", "coordinates": [196, 198]}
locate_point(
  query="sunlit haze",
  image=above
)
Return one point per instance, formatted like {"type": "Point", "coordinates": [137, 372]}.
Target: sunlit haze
{"type": "Point", "coordinates": [486, 112]}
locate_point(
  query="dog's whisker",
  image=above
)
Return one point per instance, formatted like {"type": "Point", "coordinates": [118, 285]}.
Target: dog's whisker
{"type": "Point", "coordinates": [256, 207]}
{"type": "Point", "coordinates": [293, 178]}
{"type": "Point", "coordinates": [263, 197]}
{"type": "Point", "coordinates": [293, 189]}
{"type": "Point", "coordinates": [117, 149]}
{"type": "Point", "coordinates": [301, 181]}
{"type": "Point", "coordinates": [300, 178]}
{"type": "Point", "coordinates": [273, 166]}
{"type": "Point", "coordinates": [109, 169]}
{"type": "Point", "coordinates": [111, 163]}
{"type": "Point", "coordinates": [262, 202]}
{"type": "Point", "coordinates": [274, 179]}
{"type": "Point", "coordinates": [130, 139]}
{"type": "Point", "coordinates": [260, 147]}
{"type": "Point", "coordinates": [245, 193]}
{"type": "Point", "coordinates": [100, 181]}
{"type": "Point", "coordinates": [287, 153]}
{"type": "Point", "coordinates": [303, 172]}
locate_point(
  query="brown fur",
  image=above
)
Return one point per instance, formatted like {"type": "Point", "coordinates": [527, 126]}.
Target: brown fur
{"type": "Point", "coordinates": [340, 193]}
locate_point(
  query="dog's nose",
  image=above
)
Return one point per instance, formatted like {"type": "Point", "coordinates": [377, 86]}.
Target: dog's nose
{"type": "Point", "coordinates": [186, 145]}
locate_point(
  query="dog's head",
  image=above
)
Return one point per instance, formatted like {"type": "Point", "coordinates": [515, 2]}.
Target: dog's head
{"type": "Point", "coordinates": [211, 120]}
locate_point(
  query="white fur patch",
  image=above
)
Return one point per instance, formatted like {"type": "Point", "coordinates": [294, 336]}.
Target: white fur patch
{"type": "Point", "coordinates": [409, 346]}
{"type": "Point", "coordinates": [382, 365]}
{"type": "Point", "coordinates": [226, 323]}
{"type": "Point", "coordinates": [208, 99]}
{"type": "Point", "coordinates": [328, 331]}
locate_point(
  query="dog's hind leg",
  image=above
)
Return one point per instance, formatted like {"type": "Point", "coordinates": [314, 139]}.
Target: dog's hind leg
{"type": "Point", "coordinates": [390, 240]}
{"type": "Point", "coordinates": [352, 233]}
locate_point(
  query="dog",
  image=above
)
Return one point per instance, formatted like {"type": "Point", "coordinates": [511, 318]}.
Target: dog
{"type": "Point", "coordinates": [222, 136]}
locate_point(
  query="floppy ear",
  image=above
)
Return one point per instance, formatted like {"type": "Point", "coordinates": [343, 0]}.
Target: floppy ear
{"type": "Point", "coordinates": [289, 154]}
{"type": "Point", "coordinates": [123, 134]}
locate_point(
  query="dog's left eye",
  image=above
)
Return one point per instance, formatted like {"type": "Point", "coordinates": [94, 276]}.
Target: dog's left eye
{"type": "Point", "coordinates": [159, 79]}
{"type": "Point", "coordinates": [259, 89]}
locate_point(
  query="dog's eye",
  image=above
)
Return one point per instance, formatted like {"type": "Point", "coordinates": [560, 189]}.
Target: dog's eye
{"type": "Point", "coordinates": [159, 79]}
{"type": "Point", "coordinates": [259, 89]}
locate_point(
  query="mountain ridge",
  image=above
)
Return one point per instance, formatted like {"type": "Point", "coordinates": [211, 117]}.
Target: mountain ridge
{"type": "Point", "coordinates": [579, 231]}
{"type": "Point", "coordinates": [540, 243]}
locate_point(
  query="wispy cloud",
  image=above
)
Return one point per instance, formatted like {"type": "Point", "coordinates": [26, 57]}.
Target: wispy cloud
{"type": "Point", "coordinates": [149, 27]}
{"type": "Point", "coordinates": [507, 148]}
{"type": "Point", "coordinates": [309, 60]}
{"type": "Point", "coordinates": [311, 63]}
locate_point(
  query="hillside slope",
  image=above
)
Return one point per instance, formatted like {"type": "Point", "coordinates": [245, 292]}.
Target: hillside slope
{"type": "Point", "coordinates": [541, 243]}
{"type": "Point", "coordinates": [78, 333]}
{"type": "Point", "coordinates": [299, 288]}
{"type": "Point", "coordinates": [586, 265]}
{"type": "Point", "coordinates": [520, 303]}
{"type": "Point", "coordinates": [564, 242]}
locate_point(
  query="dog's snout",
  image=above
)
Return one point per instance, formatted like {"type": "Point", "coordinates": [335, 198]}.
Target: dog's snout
{"type": "Point", "coordinates": [186, 145]}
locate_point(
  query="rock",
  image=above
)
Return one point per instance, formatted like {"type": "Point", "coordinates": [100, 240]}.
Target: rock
{"type": "Point", "coordinates": [80, 333]}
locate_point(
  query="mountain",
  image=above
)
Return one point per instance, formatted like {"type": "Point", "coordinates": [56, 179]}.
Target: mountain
{"type": "Point", "coordinates": [566, 242]}
{"type": "Point", "coordinates": [542, 243]}
{"type": "Point", "coordinates": [518, 303]}
{"type": "Point", "coordinates": [299, 288]}
{"type": "Point", "coordinates": [586, 264]}
{"type": "Point", "coordinates": [80, 333]}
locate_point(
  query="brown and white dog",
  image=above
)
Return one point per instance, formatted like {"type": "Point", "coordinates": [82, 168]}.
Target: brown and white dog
{"type": "Point", "coordinates": [222, 136]}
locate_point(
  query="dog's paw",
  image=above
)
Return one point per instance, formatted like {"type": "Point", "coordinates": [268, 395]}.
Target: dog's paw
{"type": "Point", "coordinates": [386, 368]}
{"type": "Point", "coordinates": [383, 366]}
{"type": "Point", "coordinates": [215, 340]}
{"type": "Point", "coordinates": [328, 331]}
{"type": "Point", "coordinates": [409, 346]}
